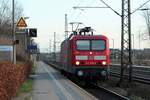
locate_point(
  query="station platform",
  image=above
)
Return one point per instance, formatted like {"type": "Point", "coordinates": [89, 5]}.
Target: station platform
{"type": "Point", "coordinates": [49, 84]}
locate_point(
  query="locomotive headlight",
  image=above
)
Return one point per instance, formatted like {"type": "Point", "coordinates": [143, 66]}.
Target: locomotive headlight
{"type": "Point", "coordinates": [103, 73]}
{"type": "Point", "coordinates": [80, 73]}
{"type": "Point", "coordinates": [103, 62]}
{"type": "Point", "coordinates": [77, 63]}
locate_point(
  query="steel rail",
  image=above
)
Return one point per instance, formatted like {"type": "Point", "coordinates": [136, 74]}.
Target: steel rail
{"type": "Point", "coordinates": [135, 78]}
{"type": "Point", "coordinates": [110, 92]}
{"type": "Point", "coordinates": [115, 74]}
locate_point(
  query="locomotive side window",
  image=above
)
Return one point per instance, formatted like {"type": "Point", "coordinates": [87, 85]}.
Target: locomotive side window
{"type": "Point", "coordinates": [98, 45]}
{"type": "Point", "coordinates": [83, 44]}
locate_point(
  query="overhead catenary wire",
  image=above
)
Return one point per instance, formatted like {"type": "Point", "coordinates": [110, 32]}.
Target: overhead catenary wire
{"type": "Point", "coordinates": [110, 7]}
{"type": "Point", "coordinates": [140, 6]}
{"type": "Point", "coordinates": [72, 12]}
{"type": "Point", "coordinates": [73, 15]}
{"type": "Point", "coordinates": [82, 10]}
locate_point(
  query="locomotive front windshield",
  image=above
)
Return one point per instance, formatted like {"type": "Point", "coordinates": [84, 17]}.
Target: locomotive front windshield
{"type": "Point", "coordinates": [90, 45]}
{"type": "Point", "coordinates": [83, 44]}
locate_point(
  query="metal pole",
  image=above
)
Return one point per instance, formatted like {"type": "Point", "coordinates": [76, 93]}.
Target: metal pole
{"type": "Point", "coordinates": [25, 37]}
{"type": "Point", "coordinates": [66, 27]}
{"type": "Point", "coordinates": [13, 31]}
{"type": "Point", "coordinates": [50, 47]}
{"type": "Point", "coordinates": [113, 43]}
{"type": "Point", "coordinates": [133, 49]}
{"type": "Point", "coordinates": [113, 50]}
{"type": "Point", "coordinates": [126, 53]}
{"type": "Point", "coordinates": [133, 41]}
{"type": "Point", "coordinates": [72, 26]}
{"type": "Point", "coordinates": [130, 48]}
{"type": "Point", "coordinates": [122, 42]}
{"type": "Point", "coordinates": [148, 23]}
{"type": "Point", "coordinates": [139, 41]}
{"type": "Point", "coordinates": [55, 46]}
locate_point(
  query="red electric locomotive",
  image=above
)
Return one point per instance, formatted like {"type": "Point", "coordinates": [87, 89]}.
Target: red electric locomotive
{"type": "Point", "coordinates": [85, 55]}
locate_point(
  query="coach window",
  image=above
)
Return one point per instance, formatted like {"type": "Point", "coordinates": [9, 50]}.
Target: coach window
{"type": "Point", "coordinates": [98, 45]}
{"type": "Point", "coordinates": [83, 45]}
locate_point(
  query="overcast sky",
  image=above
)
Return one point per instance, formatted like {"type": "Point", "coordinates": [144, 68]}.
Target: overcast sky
{"type": "Point", "coordinates": [48, 16]}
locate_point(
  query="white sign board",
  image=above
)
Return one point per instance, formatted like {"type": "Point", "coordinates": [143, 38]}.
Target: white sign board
{"type": "Point", "coordinates": [6, 48]}
{"type": "Point", "coordinates": [6, 53]}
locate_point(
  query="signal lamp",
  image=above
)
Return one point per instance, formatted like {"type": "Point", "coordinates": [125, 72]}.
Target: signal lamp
{"type": "Point", "coordinates": [33, 32]}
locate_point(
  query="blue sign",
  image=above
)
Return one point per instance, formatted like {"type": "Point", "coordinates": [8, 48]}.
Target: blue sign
{"type": "Point", "coordinates": [32, 47]}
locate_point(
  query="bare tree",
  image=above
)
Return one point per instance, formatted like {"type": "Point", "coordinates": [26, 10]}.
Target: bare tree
{"type": "Point", "coordinates": [6, 15]}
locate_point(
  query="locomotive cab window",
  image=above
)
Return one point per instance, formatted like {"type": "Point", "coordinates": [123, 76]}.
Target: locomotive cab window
{"type": "Point", "coordinates": [98, 45]}
{"type": "Point", "coordinates": [90, 44]}
{"type": "Point", "coordinates": [83, 44]}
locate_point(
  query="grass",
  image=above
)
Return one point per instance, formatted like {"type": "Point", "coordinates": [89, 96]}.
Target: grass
{"type": "Point", "coordinates": [26, 86]}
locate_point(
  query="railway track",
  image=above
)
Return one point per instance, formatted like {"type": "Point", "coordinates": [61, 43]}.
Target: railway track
{"type": "Point", "coordinates": [141, 70]}
{"type": "Point", "coordinates": [101, 92]}
{"type": "Point", "coordinates": [140, 73]}
{"type": "Point", "coordinates": [135, 78]}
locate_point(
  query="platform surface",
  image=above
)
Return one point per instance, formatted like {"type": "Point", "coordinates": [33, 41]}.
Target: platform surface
{"type": "Point", "coordinates": [49, 84]}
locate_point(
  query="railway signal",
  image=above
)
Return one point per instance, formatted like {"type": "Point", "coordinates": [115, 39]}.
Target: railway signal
{"type": "Point", "coordinates": [32, 32]}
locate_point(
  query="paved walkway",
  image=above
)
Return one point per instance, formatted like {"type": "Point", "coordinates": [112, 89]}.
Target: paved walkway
{"type": "Point", "coordinates": [43, 88]}
{"type": "Point", "coordinates": [50, 85]}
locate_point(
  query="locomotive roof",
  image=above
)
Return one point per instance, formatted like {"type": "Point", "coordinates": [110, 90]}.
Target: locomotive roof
{"type": "Point", "coordinates": [86, 37]}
